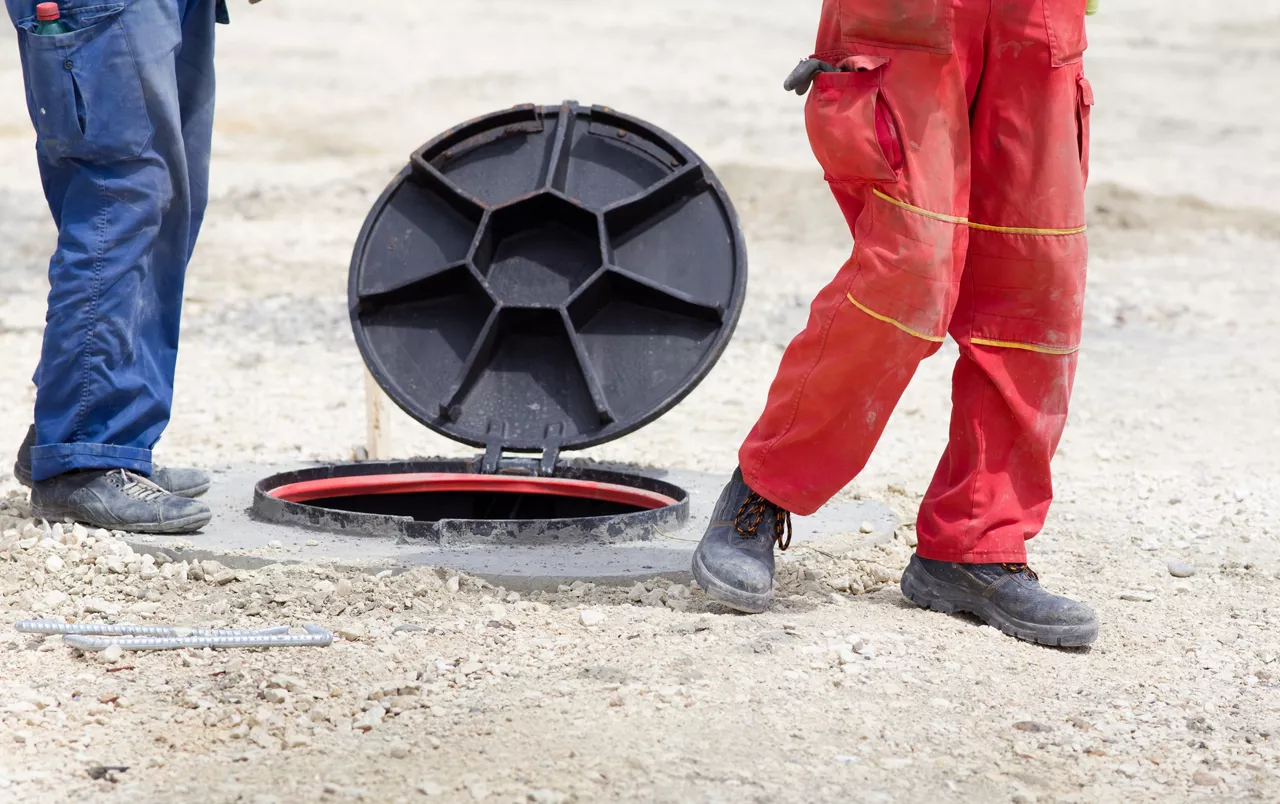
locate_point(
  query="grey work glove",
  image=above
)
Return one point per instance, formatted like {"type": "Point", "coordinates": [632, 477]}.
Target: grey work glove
{"type": "Point", "coordinates": [801, 77]}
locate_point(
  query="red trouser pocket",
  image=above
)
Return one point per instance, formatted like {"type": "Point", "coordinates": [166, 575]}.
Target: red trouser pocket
{"type": "Point", "coordinates": [851, 126]}
{"type": "Point", "coordinates": [1064, 20]}
{"type": "Point", "coordinates": [1084, 108]}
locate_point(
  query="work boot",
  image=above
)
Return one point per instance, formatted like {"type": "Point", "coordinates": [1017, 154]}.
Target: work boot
{"type": "Point", "coordinates": [116, 500]}
{"type": "Point", "coordinates": [734, 561]}
{"type": "Point", "coordinates": [182, 482]}
{"type": "Point", "coordinates": [1004, 596]}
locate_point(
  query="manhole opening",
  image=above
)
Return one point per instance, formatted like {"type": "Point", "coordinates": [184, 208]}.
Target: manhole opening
{"type": "Point", "coordinates": [449, 501]}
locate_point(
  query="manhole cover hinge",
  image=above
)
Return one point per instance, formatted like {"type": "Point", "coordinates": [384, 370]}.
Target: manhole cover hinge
{"type": "Point", "coordinates": [495, 462]}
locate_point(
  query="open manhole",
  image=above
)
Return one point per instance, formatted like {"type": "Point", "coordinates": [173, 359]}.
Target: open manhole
{"type": "Point", "coordinates": [537, 280]}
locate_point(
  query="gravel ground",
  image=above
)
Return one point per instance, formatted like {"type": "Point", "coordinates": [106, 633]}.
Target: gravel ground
{"type": "Point", "coordinates": [599, 694]}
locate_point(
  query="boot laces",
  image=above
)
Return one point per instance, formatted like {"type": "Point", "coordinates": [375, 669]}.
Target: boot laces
{"type": "Point", "coordinates": [1020, 568]}
{"type": "Point", "coordinates": [135, 487]}
{"type": "Point", "coordinates": [752, 515]}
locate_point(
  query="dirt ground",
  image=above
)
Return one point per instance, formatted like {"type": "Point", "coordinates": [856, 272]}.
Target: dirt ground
{"type": "Point", "coordinates": [1170, 456]}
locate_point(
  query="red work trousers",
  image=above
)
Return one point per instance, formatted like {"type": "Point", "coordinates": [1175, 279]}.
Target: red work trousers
{"type": "Point", "coordinates": [957, 144]}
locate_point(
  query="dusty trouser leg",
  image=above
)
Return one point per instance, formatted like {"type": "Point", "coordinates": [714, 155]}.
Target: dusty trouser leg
{"type": "Point", "coordinates": [891, 133]}
{"type": "Point", "coordinates": [108, 110]}
{"type": "Point", "coordinates": [889, 306]}
{"type": "Point", "coordinates": [1018, 320]}
{"type": "Point", "coordinates": [1018, 325]}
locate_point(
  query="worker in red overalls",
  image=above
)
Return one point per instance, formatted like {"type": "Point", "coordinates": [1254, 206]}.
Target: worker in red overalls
{"type": "Point", "coordinates": [955, 137]}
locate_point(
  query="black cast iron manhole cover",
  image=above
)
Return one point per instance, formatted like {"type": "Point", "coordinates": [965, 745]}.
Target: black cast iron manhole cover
{"type": "Point", "coordinates": [547, 277]}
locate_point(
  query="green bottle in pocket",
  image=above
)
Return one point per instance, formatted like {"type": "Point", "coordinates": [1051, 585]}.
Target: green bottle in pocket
{"type": "Point", "coordinates": [1091, 8]}
{"type": "Point", "coordinates": [49, 20]}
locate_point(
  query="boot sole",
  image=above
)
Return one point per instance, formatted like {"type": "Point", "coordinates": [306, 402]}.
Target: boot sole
{"type": "Point", "coordinates": [928, 592]}
{"type": "Point", "coordinates": [24, 479]}
{"type": "Point", "coordinates": [189, 524]}
{"type": "Point", "coordinates": [721, 592]}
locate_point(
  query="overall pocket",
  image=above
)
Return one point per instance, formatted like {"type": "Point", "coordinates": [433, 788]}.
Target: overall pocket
{"type": "Point", "coordinates": [851, 127]}
{"type": "Point", "coordinates": [84, 89]}
{"type": "Point", "coordinates": [913, 24]}
{"type": "Point", "coordinates": [1084, 107]}
{"type": "Point", "coordinates": [1064, 21]}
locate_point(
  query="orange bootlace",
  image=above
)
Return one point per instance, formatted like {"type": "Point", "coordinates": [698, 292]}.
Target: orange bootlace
{"type": "Point", "coordinates": [1016, 568]}
{"type": "Point", "coordinates": [752, 513]}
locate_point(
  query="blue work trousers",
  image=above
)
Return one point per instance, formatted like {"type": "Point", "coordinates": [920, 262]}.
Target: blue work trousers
{"type": "Point", "coordinates": [122, 105]}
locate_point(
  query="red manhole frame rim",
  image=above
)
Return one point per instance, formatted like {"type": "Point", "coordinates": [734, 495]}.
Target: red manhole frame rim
{"type": "Point", "coordinates": [428, 482]}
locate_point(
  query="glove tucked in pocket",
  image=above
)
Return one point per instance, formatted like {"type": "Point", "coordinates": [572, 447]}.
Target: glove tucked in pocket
{"type": "Point", "coordinates": [851, 127]}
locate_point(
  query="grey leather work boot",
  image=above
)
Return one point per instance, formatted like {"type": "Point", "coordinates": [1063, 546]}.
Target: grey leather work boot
{"type": "Point", "coordinates": [734, 561]}
{"type": "Point", "coordinates": [1004, 596]}
{"type": "Point", "coordinates": [116, 500]}
{"type": "Point", "coordinates": [179, 481]}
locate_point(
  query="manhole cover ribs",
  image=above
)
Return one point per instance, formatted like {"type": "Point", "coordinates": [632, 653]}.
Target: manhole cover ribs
{"type": "Point", "coordinates": [547, 277]}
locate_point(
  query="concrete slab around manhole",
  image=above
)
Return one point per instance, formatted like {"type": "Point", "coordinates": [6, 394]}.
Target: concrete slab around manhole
{"type": "Point", "coordinates": [237, 540]}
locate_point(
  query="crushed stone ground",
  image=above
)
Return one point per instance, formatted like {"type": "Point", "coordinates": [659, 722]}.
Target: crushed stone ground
{"type": "Point", "coordinates": [442, 688]}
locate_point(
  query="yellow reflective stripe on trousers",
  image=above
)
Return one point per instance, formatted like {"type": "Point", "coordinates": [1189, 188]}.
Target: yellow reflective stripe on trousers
{"type": "Point", "coordinates": [1028, 347]}
{"type": "Point", "coordinates": [938, 216]}
{"type": "Point", "coordinates": [886, 319]}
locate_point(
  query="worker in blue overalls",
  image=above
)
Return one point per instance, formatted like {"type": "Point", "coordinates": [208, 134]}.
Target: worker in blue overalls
{"type": "Point", "coordinates": [121, 96]}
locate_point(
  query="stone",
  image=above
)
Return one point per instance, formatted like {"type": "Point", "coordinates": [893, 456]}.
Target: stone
{"type": "Point", "coordinates": [430, 789]}
{"type": "Point", "coordinates": [144, 609]}
{"type": "Point", "coordinates": [54, 599]}
{"type": "Point", "coordinates": [313, 542]}
{"type": "Point", "coordinates": [591, 618]}
{"type": "Point", "coordinates": [343, 589]}
{"type": "Point", "coordinates": [111, 655]}
{"type": "Point", "coordinates": [53, 564]}
{"type": "Point", "coordinates": [398, 750]}
{"type": "Point", "coordinates": [369, 719]}
{"type": "Point", "coordinates": [352, 633]}
{"type": "Point", "coordinates": [1180, 569]}
{"type": "Point", "coordinates": [225, 577]}
{"type": "Point", "coordinates": [1032, 726]}
{"type": "Point", "coordinates": [276, 695]}
{"type": "Point", "coordinates": [275, 544]}
{"type": "Point", "coordinates": [866, 527]}
{"type": "Point", "coordinates": [546, 796]}
{"type": "Point", "coordinates": [678, 591]}
{"type": "Point", "coordinates": [495, 611]}
{"type": "Point", "coordinates": [453, 584]}
{"type": "Point", "coordinates": [94, 606]}
{"type": "Point", "coordinates": [1203, 779]}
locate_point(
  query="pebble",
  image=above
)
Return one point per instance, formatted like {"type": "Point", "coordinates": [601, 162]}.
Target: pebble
{"type": "Point", "coordinates": [1137, 596]}
{"type": "Point", "coordinates": [430, 789]}
{"type": "Point", "coordinates": [591, 618]}
{"type": "Point", "coordinates": [343, 589]}
{"type": "Point", "coordinates": [398, 750]}
{"type": "Point", "coordinates": [93, 606]}
{"type": "Point", "coordinates": [225, 577]}
{"type": "Point", "coordinates": [352, 633]}
{"type": "Point", "coordinates": [1204, 779]}
{"type": "Point", "coordinates": [371, 717]}
{"type": "Point", "coordinates": [678, 591]}
{"type": "Point", "coordinates": [495, 611]}
{"type": "Point", "coordinates": [1032, 726]}
{"type": "Point", "coordinates": [55, 599]}
{"type": "Point", "coordinates": [111, 655]}
{"type": "Point", "coordinates": [276, 696]}
{"type": "Point", "coordinates": [145, 609]}
{"type": "Point", "coordinates": [1180, 569]}
{"type": "Point", "coordinates": [275, 544]}
{"type": "Point", "coordinates": [453, 583]}
{"type": "Point", "coordinates": [54, 564]}
{"type": "Point", "coordinates": [546, 796]}
{"type": "Point", "coordinates": [324, 588]}
{"type": "Point", "coordinates": [866, 527]}
{"type": "Point", "coordinates": [313, 542]}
